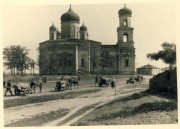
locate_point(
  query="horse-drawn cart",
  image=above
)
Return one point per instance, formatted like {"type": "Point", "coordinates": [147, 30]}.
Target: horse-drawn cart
{"type": "Point", "coordinates": [135, 79]}
{"type": "Point", "coordinates": [61, 85]}
{"type": "Point", "coordinates": [104, 81]}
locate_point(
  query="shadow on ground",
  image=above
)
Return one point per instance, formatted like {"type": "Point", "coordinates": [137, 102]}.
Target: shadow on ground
{"type": "Point", "coordinates": [144, 108]}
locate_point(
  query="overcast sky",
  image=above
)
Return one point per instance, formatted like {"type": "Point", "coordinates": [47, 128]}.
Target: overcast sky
{"type": "Point", "coordinates": [154, 23]}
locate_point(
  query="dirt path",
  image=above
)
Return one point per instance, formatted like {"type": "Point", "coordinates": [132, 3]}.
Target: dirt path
{"type": "Point", "coordinates": [74, 104]}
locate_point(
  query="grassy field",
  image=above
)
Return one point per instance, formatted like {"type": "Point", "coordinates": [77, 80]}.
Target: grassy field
{"type": "Point", "coordinates": [139, 108]}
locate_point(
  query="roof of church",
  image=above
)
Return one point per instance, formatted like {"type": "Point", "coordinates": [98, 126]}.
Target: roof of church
{"type": "Point", "coordinates": [70, 15]}
{"type": "Point", "coordinates": [52, 27]}
{"type": "Point", "coordinates": [125, 11]}
{"type": "Point", "coordinates": [73, 40]}
{"type": "Point", "coordinates": [83, 27]}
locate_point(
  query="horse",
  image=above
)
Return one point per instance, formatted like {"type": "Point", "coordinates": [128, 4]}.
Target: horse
{"type": "Point", "coordinates": [40, 84]}
{"type": "Point", "coordinates": [44, 80]}
{"type": "Point", "coordinates": [22, 87]}
{"type": "Point", "coordinates": [74, 81]}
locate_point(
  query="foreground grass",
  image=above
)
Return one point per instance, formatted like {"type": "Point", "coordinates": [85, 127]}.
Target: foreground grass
{"type": "Point", "coordinates": [44, 98]}
{"type": "Point", "coordinates": [139, 108]}
{"type": "Point", "coordinates": [39, 119]}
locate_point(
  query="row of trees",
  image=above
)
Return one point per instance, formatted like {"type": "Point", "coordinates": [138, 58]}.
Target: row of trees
{"type": "Point", "coordinates": [17, 61]}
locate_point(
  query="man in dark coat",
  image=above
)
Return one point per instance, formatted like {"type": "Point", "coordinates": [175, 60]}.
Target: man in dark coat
{"type": "Point", "coordinates": [8, 88]}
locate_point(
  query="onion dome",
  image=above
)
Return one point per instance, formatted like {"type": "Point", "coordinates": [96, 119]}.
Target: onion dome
{"type": "Point", "coordinates": [125, 11]}
{"type": "Point", "coordinates": [83, 27]}
{"type": "Point", "coordinates": [52, 28]}
{"type": "Point", "coordinates": [70, 15]}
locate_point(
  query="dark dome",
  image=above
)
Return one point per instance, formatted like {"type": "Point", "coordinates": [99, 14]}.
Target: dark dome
{"type": "Point", "coordinates": [83, 27]}
{"type": "Point", "coordinates": [70, 15]}
{"type": "Point", "coordinates": [52, 28]}
{"type": "Point", "coordinates": [125, 11]}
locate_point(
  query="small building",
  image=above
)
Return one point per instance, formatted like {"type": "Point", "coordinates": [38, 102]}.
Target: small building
{"type": "Point", "coordinates": [148, 70]}
{"type": "Point", "coordinates": [164, 69]}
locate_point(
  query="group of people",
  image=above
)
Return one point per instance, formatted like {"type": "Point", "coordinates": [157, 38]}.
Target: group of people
{"type": "Point", "coordinates": [111, 80]}
{"type": "Point", "coordinates": [32, 85]}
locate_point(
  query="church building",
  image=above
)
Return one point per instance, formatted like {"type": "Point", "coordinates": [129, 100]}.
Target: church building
{"type": "Point", "coordinates": [70, 50]}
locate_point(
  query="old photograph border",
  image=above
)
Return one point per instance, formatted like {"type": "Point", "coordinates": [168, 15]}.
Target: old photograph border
{"type": "Point", "coordinates": [65, 2]}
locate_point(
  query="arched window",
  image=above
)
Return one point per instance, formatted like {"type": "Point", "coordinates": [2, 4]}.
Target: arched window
{"type": "Point", "coordinates": [125, 38]}
{"type": "Point", "coordinates": [125, 22]}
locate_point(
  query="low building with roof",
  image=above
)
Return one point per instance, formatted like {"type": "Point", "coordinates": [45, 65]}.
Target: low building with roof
{"type": "Point", "coordinates": [148, 70]}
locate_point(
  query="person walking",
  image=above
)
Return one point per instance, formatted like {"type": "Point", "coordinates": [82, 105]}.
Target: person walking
{"type": "Point", "coordinates": [8, 88]}
{"type": "Point", "coordinates": [113, 82]}
{"type": "Point", "coordinates": [97, 79]}
{"type": "Point", "coordinates": [40, 83]}
{"type": "Point", "coordinates": [33, 86]}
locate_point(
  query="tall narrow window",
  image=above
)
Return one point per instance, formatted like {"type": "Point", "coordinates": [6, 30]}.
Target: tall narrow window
{"type": "Point", "coordinates": [125, 38]}
{"type": "Point", "coordinates": [125, 22]}
{"type": "Point", "coordinates": [126, 63]}
{"type": "Point", "coordinates": [82, 62]}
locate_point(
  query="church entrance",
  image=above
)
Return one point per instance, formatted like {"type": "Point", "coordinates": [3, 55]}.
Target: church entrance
{"type": "Point", "coordinates": [65, 63]}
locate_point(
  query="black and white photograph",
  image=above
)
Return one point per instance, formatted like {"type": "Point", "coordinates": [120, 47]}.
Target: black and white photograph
{"type": "Point", "coordinates": [89, 64]}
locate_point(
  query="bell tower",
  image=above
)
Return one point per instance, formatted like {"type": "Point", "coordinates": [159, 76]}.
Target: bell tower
{"type": "Point", "coordinates": [125, 31]}
{"type": "Point", "coordinates": [125, 43]}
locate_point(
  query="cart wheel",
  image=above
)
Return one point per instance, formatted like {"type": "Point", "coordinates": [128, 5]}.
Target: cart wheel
{"type": "Point", "coordinates": [26, 91]}
{"type": "Point", "coordinates": [16, 92]}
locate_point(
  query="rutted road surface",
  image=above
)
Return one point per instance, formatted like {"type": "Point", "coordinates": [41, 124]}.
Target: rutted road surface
{"type": "Point", "coordinates": [73, 104]}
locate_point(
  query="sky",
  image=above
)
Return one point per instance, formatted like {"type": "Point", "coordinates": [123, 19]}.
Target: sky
{"type": "Point", "coordinates": [153, 23]}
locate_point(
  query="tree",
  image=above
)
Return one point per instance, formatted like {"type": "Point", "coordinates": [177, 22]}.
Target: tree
{"type": "Point", "coordinates": [15, 58]}
{"type": "Point", "coordinates": [167, 55]}
{"type": "Point", "coordinates": [32, 66]}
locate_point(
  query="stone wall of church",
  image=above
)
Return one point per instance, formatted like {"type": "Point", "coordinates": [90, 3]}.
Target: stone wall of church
{"type": "Point", "coordinates": [47, 63]}
{"type": "Point", "coordinates": [70, 30]}
{"type": "Point", "coordinates": [66, 59]}
{"type": "Point", "coordinates": [112, 66]}
{"type": "Point", "coordinates": [125, 21]}
{"type": "Point", "coordinates": [83, 60]}
{"type": "Point", "coordinates": [126, 65]}
{"type": "Point", "coordinates": [127, 32]}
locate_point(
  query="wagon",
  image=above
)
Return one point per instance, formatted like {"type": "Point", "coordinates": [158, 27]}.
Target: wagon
{"type": "Point", "coordinates": [135, 79]}
{"type": "Point", "coordinates": [104, 81]}
{"type": "Point", "coordinates": [61, 85]}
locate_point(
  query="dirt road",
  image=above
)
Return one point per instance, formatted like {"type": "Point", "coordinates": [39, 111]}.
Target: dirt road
{"type": "Point", "coordinates": [19, 113]}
